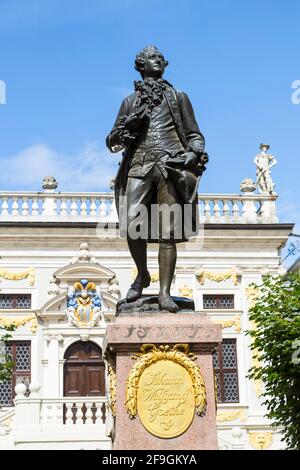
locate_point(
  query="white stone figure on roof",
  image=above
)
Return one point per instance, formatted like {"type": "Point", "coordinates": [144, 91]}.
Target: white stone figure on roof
{"type": "Point", "coordinates": [264, 162]}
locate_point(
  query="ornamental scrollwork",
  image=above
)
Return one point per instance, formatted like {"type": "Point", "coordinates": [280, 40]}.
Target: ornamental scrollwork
{"type": "Point", "coordinates": [186, 291]}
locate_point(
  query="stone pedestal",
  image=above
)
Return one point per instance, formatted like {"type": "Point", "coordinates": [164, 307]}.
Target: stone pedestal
{"type": "Point", "coordinates": [125, 337]}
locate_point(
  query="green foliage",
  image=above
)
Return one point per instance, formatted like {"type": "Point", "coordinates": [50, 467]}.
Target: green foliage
{"type": "Point", "coordinates": [6, 364]}
{"type": "Point", "coordinates": [276, 339]}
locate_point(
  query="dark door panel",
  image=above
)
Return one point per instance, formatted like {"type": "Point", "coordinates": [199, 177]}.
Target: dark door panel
{"type": "Point", "coordinates": [84, 370]}
{"type": "Point", "coordinates": [94, 378]}
{"type": "Point", "coordinates": [74, 380]}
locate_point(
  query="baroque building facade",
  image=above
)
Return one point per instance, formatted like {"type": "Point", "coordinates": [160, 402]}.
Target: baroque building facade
{"type": "Point", "coordinates": [63, 269]}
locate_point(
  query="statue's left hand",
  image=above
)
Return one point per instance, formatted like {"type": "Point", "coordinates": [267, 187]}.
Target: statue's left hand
{"type": "Point", "coordinates": [191, 159]}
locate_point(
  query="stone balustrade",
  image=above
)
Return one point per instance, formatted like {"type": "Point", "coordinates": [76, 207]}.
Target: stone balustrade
{"type": "Point", "coordinates": [62, 411]}
{"type": "Point", "coordinates": [100, 207]}
{"type": "Point", "coordinates": [77, 411]}
{"type": "Point", "coordinates": [51, 206]}
{"type": "Point", "coordinates": [54, 423]}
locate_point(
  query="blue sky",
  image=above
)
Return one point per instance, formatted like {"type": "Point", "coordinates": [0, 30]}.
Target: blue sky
{"type": "Point", "coordinates": [67, 64]}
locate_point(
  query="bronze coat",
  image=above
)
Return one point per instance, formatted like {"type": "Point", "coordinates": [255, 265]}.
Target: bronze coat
{"type": "Point", "coordinates": [185, 180]}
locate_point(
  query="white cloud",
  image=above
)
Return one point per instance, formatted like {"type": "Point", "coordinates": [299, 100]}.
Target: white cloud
{"type": "Point", "coordinates": [88, 170]}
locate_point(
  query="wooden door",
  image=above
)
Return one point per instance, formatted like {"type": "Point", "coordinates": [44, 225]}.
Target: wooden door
{"type": "Point", "coordinates": [84, 370]}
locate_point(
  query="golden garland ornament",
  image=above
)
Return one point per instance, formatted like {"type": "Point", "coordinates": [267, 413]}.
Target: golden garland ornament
{"type": "Point", "coordinates": [232, 274]}
{"type": "Point", "coordinates": [258, 383]}
{"type": "Point", "coordinates": [11, 276]}
{"type": "Point", "coordinates": [18, 322]}
{"type": "Point", "coordinates": [224, 416]}
{"type": "Point", "coordinates": [150, 354]}
{"type": "Point", "coordinates": [112, 403]}
{"type": "Point", "coordinates": [215, 390]}
{"type": "Point", "coordinates": [236, 322]}
{"type": "Point", "coordinates": [252, 294]}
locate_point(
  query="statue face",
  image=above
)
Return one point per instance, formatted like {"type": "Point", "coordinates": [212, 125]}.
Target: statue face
{"type": "Point", "coordinates": [154, 65]}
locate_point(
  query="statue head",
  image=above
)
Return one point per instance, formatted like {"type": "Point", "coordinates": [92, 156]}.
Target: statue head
{"type": "Point", "coordinates": [264, 147]}
{"type": "Point", "coordinates": [150, 62]}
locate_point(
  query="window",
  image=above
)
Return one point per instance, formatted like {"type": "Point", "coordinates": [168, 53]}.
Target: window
{"type": "Point", "coordinates": [218, 301]}
{"type": "Point", "coordinates": [20, 353]}
{"type": "Point", "coordinates": [226, 373]}
{"type": "Point", "coordinates": [8, 301]}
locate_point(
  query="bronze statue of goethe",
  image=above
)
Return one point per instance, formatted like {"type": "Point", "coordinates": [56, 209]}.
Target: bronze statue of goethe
{"type": "Point", "coordinates": [163, 160]}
